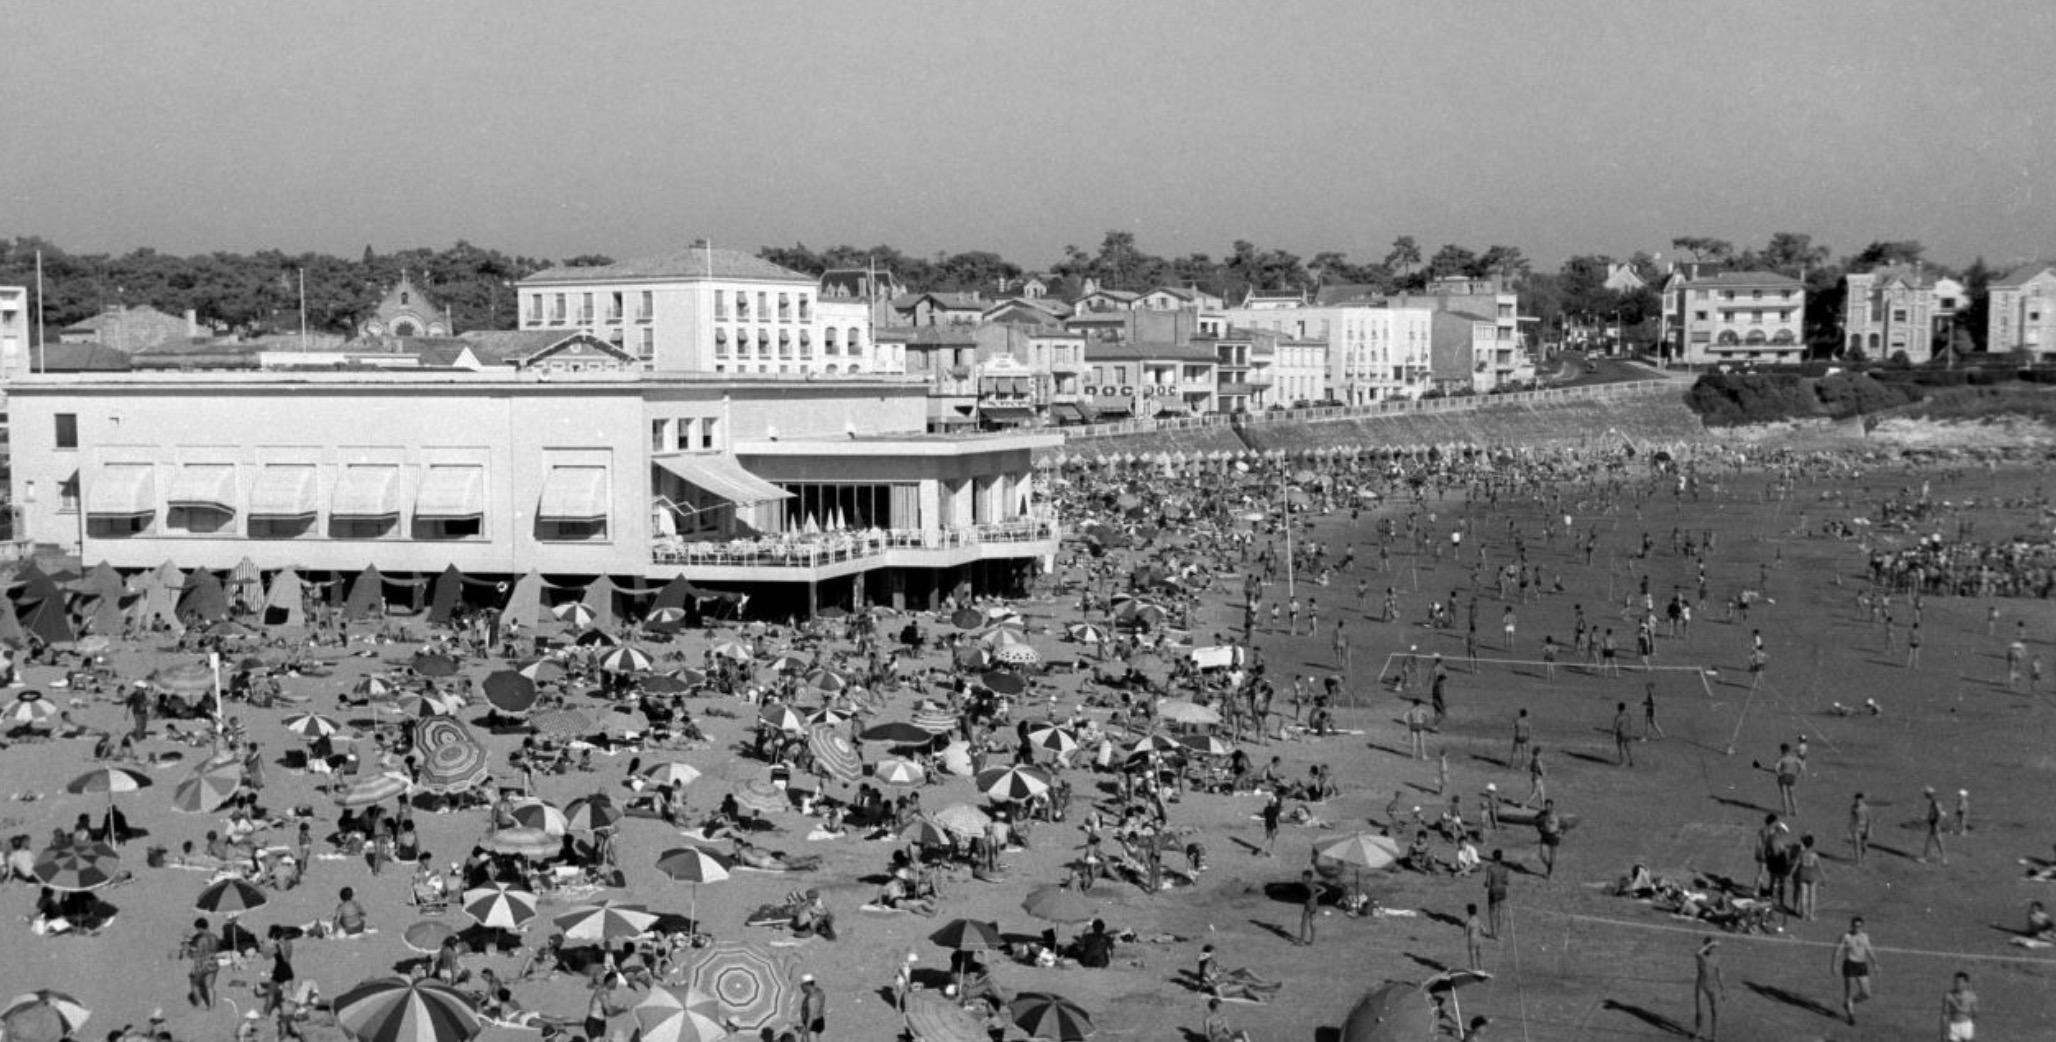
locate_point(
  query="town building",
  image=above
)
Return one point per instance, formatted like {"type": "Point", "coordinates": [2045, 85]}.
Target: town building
{"type": "Point", "coordinates": [803, 492]}
{"type": "Point", "coordinates": [15, 359]}
{"type": "Point", "coordinates": [939, 309]}
{"type": "Point", "coordinates": [1376, 353]}
{"type": "Point", "coordinates": [1464, 356]}
{"type": "Point", "coordinates": [1732, 316]}
{"type": "Point", "coordinates": [1889, 312]}
{"type": "Point", "coordinates": [405, 311]}
{"type": "Point", "coordinates": [1145, 378]}
{"type": "Point", "coordinates": [134, 330]}
{"type": "Point", "coordinates": [2021, 310]}
{"type": "Point", "coordinates": [703, 310]}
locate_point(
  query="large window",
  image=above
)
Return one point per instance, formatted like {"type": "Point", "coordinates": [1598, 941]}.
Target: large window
{"type": "Point", "coordinates": [647, 308]}
{"type": "Point", "coordinates": [67, 430]}
{"type": "Point", "coordinates": [198, 520]}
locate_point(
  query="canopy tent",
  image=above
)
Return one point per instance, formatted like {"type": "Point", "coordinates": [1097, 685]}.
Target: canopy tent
{"type": "Point", "coordinates": [245, 580]}
{"type": "Point", "coordinates": [675, 594]}
{"type": "Point", "coordinates": [721, 475]}
{"type": "Point", "coordinates": [367, 595]}
{"type": "Point", "coordinates": [156, 602]}
{"type": "Point", "coordinates": [284, 601]}
{"type": "Point", "coordinates": [599, 596]}
{"type": "Point", "coordinates": [203, 599]}
{"type": "Point", "coordinates": [524, 606]}
{"type": "Point", "coordinates": [445, 596]}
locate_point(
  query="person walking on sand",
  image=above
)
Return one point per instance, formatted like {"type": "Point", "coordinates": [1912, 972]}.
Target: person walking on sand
{"type": "Point", "coordinates": [1310, 906]}
{"type": "Point", "coordinates": [1649, 724]}
{"type": "Point", "coordinates": [1623, 749]}
{"type": "Point", "coordinates": [1959, 1011]}
{"type": "Point", "coordinates": [1549, 829]}
{"type": "Point", "coordinates": [1857, 962]}
{"type": "Point", "coordinates": [1932, 819]}
{"type": "Point", "coordinates": [1498, 878]}
{"type": "Point", "coordinates": [1417, 730]}
{"type": "Point", "coordinates": [1538, 784]}
{"type": "Point", "coordinates": [1708, 988]}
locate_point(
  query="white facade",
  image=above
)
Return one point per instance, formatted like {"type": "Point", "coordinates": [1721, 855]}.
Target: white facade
{"type": "Point", "coordinates": [14, 332]}
{"type": "Point", "coordinates": [704, 310]}
{"type": "Point", "coordinates": [1373, 353]}
{"type": "Point", "coordinates": [2022, 311]}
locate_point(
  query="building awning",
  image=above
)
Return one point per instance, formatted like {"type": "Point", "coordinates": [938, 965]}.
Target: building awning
{"type": "Point", "coordinates": [209, 486]}
{"type": "Point", "coordinates": [1197, 394]}
{"type": "Point", "coordinates": [1241, 388]}
{"type": "Point", "coordinates": [285, 490]}
{"type": "Point", "coordinates": [451, 493]}
{"type": "Point", "coordinates": [1006, 414]}
{"type": "Point", "coordinates": [1113, 403]}
{"type": "Point", "coordinates": [574, 494]}
{"type": "Point", "coordinates": [122, 490]}
{"type": "Point", "coordinates": [1171, 408]}
{"type": "Point", "coordinates": [721, 475]}
{"type": "Point", "coordinates": [1061, 411]}
{"type": "Point", "coordinates": [366, 492]}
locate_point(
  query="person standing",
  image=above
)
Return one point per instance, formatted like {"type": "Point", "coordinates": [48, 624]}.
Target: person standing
{"type": "Point", "coordinates": [1913, 647]}
{"type": "Point", "coordinates": [1341, 648]}
{"type": "Point", "coordinates": [1523, 732]}
{"type": "Point", "coordinates": [1933, 819]}
{"type": "Point", "coordinates": [1538, 785]}
{"type": "Point", "coordinates": [1274, 808]}
{"type": "Point", "coordinates": [1857, 962]}
{"type": "Point", "coordinates": [1708, 988]}
{"type": "Point", "coordinates": [1959, 1011]}
{"type": "Point", "coordinates": [1623, 753]}
{"type": "Point", "coordinates": [201, 948]}
{"type": "Point", "coordinates": [1786, 769]}
{"type": "Point", "coordinates": [1808, 875]}
{"type": "Point", "coordinates": [903, 981]}
{"type": "Point", "coordinates": [1473, 937]}
{"type": "Point", "coordinates": [1649, 724]}
{"type": "Point", "coordinates": [1417, 729]}
{"type": "Point", "coordinates": [813, 1009]}
{"type": "Point", "coordinates": [1859, 827]}
{"type": "Point", "coordinates": [1549, 829]}
{"type": "Point", "coordinates": [1497, 882]}
{"type": "Point", "coordinates": [1309, 907]}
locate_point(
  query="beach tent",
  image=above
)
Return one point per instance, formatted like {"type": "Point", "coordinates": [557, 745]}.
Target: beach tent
{"type": "Point", "coordinates": [11, 633]}
{"type": "Point", "coordinates": [101, 594]}
{"type": "Point", "coordinates": [156, 601]}
{"type": "Point", "coordinates": [47, 618]}
{"type": "Point", "coordinates": [599, 596]}
{"type": "Point", "coordinates": [525, 602]}
{"type": "Point", "coordinates": [203, 600]}
{"type": "Point", "coordinates": [245, 581]}
{"type": "Point", "coordinates": [285, 601]}
{"type": "Point", "coordinates": [445, 596]}
{"type": "Point", "coordinates": [367, 595]}
{"type": "Point", "coordinates": [676, 594]}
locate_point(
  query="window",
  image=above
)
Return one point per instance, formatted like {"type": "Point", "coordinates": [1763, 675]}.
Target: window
{"type": "Point", "coordinates": [1898, 314]}
{"type": "Point", "coordinates": [647, 343]}
{"type": "Point", "coordinates": [1699, 316]}
{"type": "Point", "coordinates": [103, 526]}
{"type": "Point", "coordinates": [806, 309]}
{"type": "Point", "coordinates": [785, 343]}
{"type": "Point", "coordinates": [659, 434]}
{"type": "Point", "coordinates": [742, 306]}
{"type": "Point", "coordinates": [405, 298]}
{"type": "Point", "coordinates": [785, 307]}
{"type": "Point", "coordinates": [720, 341]}
{"type": "Point", "coordinates": [68, 494]}
{"type": "Point", "coordinates": [763, 306]}
{"type": "Point", "coordinates": [720, 306]}
{"type": "Point", "coordinates": [764, 342]}
{"type": "Point", "coordinates": [196, 519]}
{"type": "Point", "coordinates": [1756, 317]}
{"type": "Point", "coordinates": [281, 527]}
{"type": "Point", "coordinates": [806, 343]}
{"type": "Point", "coordinates": [445, 528]}
{"type": "Point", "coordinates": [585, 307]}
{"type": "Point", "coordinates": [828, 340]}
{"type": "Point", "coordinates": [557, 309]}
{"type": "Point", "coordinates": [67, 430]}
{"type": "Point", "coordinates": [850, 343]}
{"type": "Point", "coordinates": [1756, 294]}
{"type": "Point", "coordinates": [708, 427]}
{"type": "Point", "coordinates": [648, 305]}
{"type": "Point", "coordinates": [614, 307]}
{"type": "Point", "coordinates": [535, 308]}
{"type": "Point", "coordinates": [687, 433]}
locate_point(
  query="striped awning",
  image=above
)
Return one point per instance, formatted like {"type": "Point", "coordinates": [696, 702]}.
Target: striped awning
{"type": "Point", "coordinates": [209, 486]}
{"type": "Point", "coordinates": [451, 493]}
{"type": "Point", "coordinates": [122, 490]}
{"type": "Point", "coordinates": [574, 494]}
{"type": "Point", "coordinates": [366, 491]}
{"type": "Point", "coordinates": [721, 475]}
{"type": "Point", "coordinates": [285, 490]}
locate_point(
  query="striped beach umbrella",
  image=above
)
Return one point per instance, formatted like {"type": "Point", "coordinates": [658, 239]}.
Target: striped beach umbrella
{"type": "Point", "coordinates": [733, 650]}
{"type": "Point", "coordinates": [784, 718]}
{"type": "Point", "coordinates": [899, 772]}
{"type": "Point", "coordinates": [664, 1016]}
{"type": "Point", "coordinates": [924, 832]}
{"type": "Point", "coordinates": [542, 670]}
{"type": "Point", "coordinates": [752, 985]}
{"type": "Point", "coordinates": [761, 796]}
{"type": "Point", "coordinates": [1053, 738]}
{"type": "Point", "coordinates": [109, 780]}
{"type": "Point", "coordinates": [606, 922]}
{"type": "Point", "coordinates": [627, 659]}
{"type": "Point", "coordinates": [188, 680]}
{"type": "Point", "coordinates": [934, 719]}
{"type": "Point", "coordinates": [376, 789]}
{"type": "Point", "coordinates": [591, 813]}
{"type": "Point", "coordinates": [1012, 784]}
{"type": "Point", "coordinates": [29, 709]}
{"type": "Point", "coordinates": [87, 866]}
{"type": "Point", "coordinates": [452, 760]}
{"type": "Point", "coordinates": [374, 688]}
{"type": "Point", "coordinates": [43, 1016]}
{"type": "Point", "coordinates": [536, 814]}
{"type": "Point", "coordinates": [834, 753]}
{"type": "Point", "coordinates": [500, 907]}
{"type": "Point", "coordinates": [575, 613]}
{"type": "Point", "coordinates": [313, 725]}
{"type": "Point", "coordinates": [230, 895]}
{"type": "Point", "coordinates": [1050, 1017]}
{"type": "Point", "coordinates": [827, 680]}
{"type": "Point", "coordinates": [791, 663]}
{"type": "Point", "coordinates": [694, 865]}
{"type": "Point", "coordinates": [395, 1009]}
{"type": "Point", "coordinates": [210, 785]}
{"type": "Point", "coordinates": [672, 774]}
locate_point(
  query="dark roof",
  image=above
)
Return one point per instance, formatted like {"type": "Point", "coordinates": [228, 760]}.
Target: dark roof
{"type": "Point", "coordinates": [1744, 278]}
{"type": "Point", "coordinates": [2021, 275]}
{"type": "Point", "coordinates": [1147, 351]}
{"type": "Point", "coordinates": [79, 357]}
{"type": "Point", "coordinates": [693, 262]}
{"type": "Point", "coordinates": [930, 336]}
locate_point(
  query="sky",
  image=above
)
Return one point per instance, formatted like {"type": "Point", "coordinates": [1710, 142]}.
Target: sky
{"type": "Point", "coordinates": [628, 128]}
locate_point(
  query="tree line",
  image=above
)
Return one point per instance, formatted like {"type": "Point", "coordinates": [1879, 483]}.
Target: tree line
{"type": "Point", "coordinates": [258, 292]}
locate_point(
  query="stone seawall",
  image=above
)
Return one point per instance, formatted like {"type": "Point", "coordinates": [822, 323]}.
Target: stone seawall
{"type": "Point", "coordinates": [1648, 417]}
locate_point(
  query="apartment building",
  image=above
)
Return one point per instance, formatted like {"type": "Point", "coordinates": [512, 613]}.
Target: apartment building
{"type": "Point", "coordinates": [1733, 316]}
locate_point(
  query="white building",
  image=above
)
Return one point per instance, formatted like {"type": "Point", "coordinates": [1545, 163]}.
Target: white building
{"type": "Point", "coordinates": [2022, 311]}
{"type": "Point", "coordinates": [703, 310]}
{"type": "Point", "coordinates": [1374, 353]}
{"type": "Point", "coordinates": [14, 332]}
{"type": "Point", "coordinates": [1733, 316]}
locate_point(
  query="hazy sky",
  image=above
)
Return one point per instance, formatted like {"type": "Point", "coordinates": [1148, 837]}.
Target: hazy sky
{"type": "Point", "coordinates": [625, 128]}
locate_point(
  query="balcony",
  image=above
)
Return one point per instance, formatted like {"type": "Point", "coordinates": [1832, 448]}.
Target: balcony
{"type": "Point", "coordinates": [842, 553]}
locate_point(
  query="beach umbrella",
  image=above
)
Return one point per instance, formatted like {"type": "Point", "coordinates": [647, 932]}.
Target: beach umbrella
{"type": "Point", "coordinates": [1206, 744]}
{"type": "Point", "coordinates": [761, 796]}
{"type": "Point", "coordinates": [733, 650]}
{"type": "Point", "coordinates": [188, 680]}
{"type": "Point", "coordinates": [563, 723]}
{"type": "Point", "coordinates": [1362, 850]}
{"type": "Point", "coordinates": [790, 663]}
{"type": "Point", "coordinates": [962, 819]}
{"type": "Point", "coordinates": [899, 772]}
{"type": "Point", "coordinates": [1001, 636]}
{"type": "Point", "coordinates": [1155, 742]}
{"type": "Point", "coordinates": [970, 935]}
{"type": "Point", "coordinates": [1180, 711]}
{"type": "Point", "coordinates": [663, 1016]}
{"type": "Point", "coordinates": [694, 865]}
{"type": "Point", "coordinates": [784, 718]}
{"type": "Point", "coordinates": [591, 813]}
{"type": "Point", "coordinates": [542, 670]}
{"type": "Point", "coordinates": [433, 664]}
{"type": "Point", "coordinates": [1056, 904]}
{"type": "Point", "coordinates": [230, 895]}
{"type": "Point", "coordinates": [1086, 633]}
{"type": "Point", "coordinates": [827, 680]}
{"type": "Point", "coordinates": [1004, 683]}
{"type": "Point", "coordinates": [937, 1018]}
{"type": "Point", "coordinates": [87, 866]}
{"type": "Point", "coordinates": [627, 659]}
{"type": "Point", "coordinates": [500, 907]}
{"type": "Point", "coordinates": [900, 732]}
{"type": "Point", "coordinates": [934, 719]}
{"type": "Point", "coordinates": [376, 789]}
{"type": "Point", "coordinates": [972, 657]}
{"type": "Point", "coordinates": [834, 753]}
{"type": "Point", "coordinates": [313, 725]}
{"type": "Point", "coordinates": [672, 774]}
{"type": "Point", "coordinates": [436, 703]}
{"type": "Point", "coordinates": [1012, 784]}
{"type": "Point", "coordinates": [1053, 738]}
{"type": "Point", "coordinates": [664, 684]}
{"type": "Point", "coordinates": [522, 842]}
{"type": "Point", "coordinates": [967, 618]}
{"type": "Point", "coordinates": [595, 638]}
{"type": "Point", "coordinates": [427, 936]}
{"type": "Point", "coordinates": [374, 688]}
{"type": "Point", "coordinates": [509, 691]}
{"type": "Point", "coordinates": [1051, 1017]}
{"type": "Point", "coordinates": [109, 780]}
{"type": "Point", "coordinates": [1017, 655]}
{"type": "Point", "coordinates": [688, 675]}
{"type": "Point", "coordinates": [451, 758]}
{"type": "Point", "coordinates": [606, 922]}
{"type": "Point", "coordinates": [210, 786]}
{"type": "Point", "coordinates": [536, 814]}
{"type": "Point", "coordinates": [829, 715]}
{"type": "Point", "coordinates": [1448, 982]}
{"type": "Point", "coordinates": [29, 709]}
{"type": "Point", "coordinates": [669, 615]}
{"type": "Point", "coordinates": [752, 985]}
{"type": "Point", "coordinates": [923, 832]}
{"type": "Point", "coordinates": [43, 1016]}
{"type": "Point", "coordinates": [395, 1009]}
{"type": "Point", "coordinates": [575, 614]}
{"type": "Point", "coordinates": [1394, 1011]}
